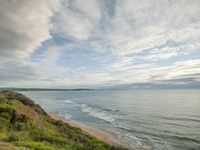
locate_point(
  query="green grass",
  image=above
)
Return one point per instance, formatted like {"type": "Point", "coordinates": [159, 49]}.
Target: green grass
{"type": "Point", "coordinates": [36, 145]}
{"type": "Point", "coordinates": [24, 123]}
{"type": "Point", "coordinates": [10, 146]}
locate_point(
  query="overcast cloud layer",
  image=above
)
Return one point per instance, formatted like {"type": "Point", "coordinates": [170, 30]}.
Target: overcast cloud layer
{"type": "Point", "coordinates": [95, 43]}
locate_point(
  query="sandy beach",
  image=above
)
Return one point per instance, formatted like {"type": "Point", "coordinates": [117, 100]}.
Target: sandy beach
{"type": "Point", "coordinates": [101, 135]}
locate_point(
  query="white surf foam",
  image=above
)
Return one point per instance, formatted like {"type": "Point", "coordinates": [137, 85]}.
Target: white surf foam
{"type": "Point", "coordinates": [67, 116]}
{"type": "Point", "coordinates": [98, 113]}
{"type": "Point", "coordinates": [69, 101]}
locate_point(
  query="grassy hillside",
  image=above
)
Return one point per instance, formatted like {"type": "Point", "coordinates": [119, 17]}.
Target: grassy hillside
{"type": "Point", "coordinates": [24, 123]}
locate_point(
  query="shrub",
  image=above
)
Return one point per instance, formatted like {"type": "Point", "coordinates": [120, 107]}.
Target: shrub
{"type": "Point", "coordinates": [10, 95]}
{"type": "Point", "coordinates": [12, 137]}
{"type": "Point", "coordinates": [3, 137]}
{"type": "Point", "coordinates": [5, 115]}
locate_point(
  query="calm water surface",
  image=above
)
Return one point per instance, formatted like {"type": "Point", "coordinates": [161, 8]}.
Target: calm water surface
{"type": "Point", "coordinates": [157, 119]}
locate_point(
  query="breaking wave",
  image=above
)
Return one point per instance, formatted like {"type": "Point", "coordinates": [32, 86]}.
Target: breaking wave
{"type": "Point", "coordinates": [98, 113]}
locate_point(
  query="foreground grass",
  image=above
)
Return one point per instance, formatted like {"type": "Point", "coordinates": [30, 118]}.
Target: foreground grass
{"type": "Point", "coordinates": [10, 146]}
{"type": "Point", "coordinates": [24, 123]}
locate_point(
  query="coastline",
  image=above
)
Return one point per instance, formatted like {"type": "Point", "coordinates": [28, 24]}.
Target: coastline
{"type": "Point", "coordinates": [99, 134]}
{"type": "Point", "coordinates": [21, 116]}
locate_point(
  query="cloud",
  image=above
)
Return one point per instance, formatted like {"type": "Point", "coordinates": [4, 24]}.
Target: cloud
{"type": "Point", "coordinates": [24, 26]}
{"type": "Point", "coordinates": [143, 25]}
{"type": "Point", "coordinates": [77, 19]}
{"type": "Point", "coordinates": [154, 72]}
{"type": "Point", "coordinates": [71, 43]}
{"type": "Point", "coordinates": [162, 53]}
{"type": "Point", "coordinates": [130, 27]}
{"type": "Point", "coordinates": [13, 72]}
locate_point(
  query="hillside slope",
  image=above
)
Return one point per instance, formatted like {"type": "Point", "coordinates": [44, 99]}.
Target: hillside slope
{"type": "Point", "coordinates": [24, 123]}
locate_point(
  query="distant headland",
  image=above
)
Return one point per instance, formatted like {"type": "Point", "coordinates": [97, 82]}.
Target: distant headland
{"type": "Point", "coordinates": [44, 89]}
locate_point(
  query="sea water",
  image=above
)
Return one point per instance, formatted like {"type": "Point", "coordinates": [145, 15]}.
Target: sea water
{"type": "Point", "coordinates": [155, 119]}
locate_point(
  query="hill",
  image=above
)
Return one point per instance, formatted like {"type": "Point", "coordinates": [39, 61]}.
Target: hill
{"type": "Point", "coordinates": [43, 89]}
{"type": "Point", "coordinates": [25, 124]}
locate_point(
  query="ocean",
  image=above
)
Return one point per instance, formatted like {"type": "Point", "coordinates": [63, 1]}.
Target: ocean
{"type": "Point", "coordinates": [154, 119]}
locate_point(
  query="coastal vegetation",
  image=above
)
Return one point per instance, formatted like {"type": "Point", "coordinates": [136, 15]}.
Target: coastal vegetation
{"type": "Point", "coordinates": [25, 124]}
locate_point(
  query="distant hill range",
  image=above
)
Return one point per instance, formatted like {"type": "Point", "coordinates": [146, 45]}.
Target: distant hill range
{"type": "Point", "coordinates": [44, 89]}
{"type": "Point", "coordinates": [167, 84]}
{"type": "Point", "coordinates": [172, 84]}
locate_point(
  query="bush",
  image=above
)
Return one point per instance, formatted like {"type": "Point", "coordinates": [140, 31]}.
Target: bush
{"type": "Point", "coordinates": [19, 126]}
{"type": "Point", "coordinates": [12, 137]}
{"type": "Point", "coordinates": [5, 115]}
{"type": "Point", "coordinates": [2, 98]}
{"type": "Point", "coordinates": [10, 95]}
{"type": "Point", "coordinates": [3, 136]}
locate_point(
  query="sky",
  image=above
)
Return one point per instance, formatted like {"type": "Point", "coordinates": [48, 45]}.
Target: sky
{"type": "Point", "coordinates": [99, 43]}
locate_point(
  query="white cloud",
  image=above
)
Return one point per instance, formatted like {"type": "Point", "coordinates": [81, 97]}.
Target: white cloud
{"type": "Point", "coordinates": [135, 36]}
{"type": "Point", "coordinates": [162, 53]}
{"type": "Point", "coordinates": [140, 25]}
{"type": "Point", "coordinates": [178, 70]}
{"type": "Point", "coordinates": [91, 9]}
{"type": "Point", "coordinates": [24, 26]}
{"type": "Point", "coordinates": [121, 63]}
{"type": "Point", "coordinates": [77, 19]}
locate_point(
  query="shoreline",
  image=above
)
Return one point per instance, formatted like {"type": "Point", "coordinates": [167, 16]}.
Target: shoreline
{"type": "Point", "coordinates": [99, 134]}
